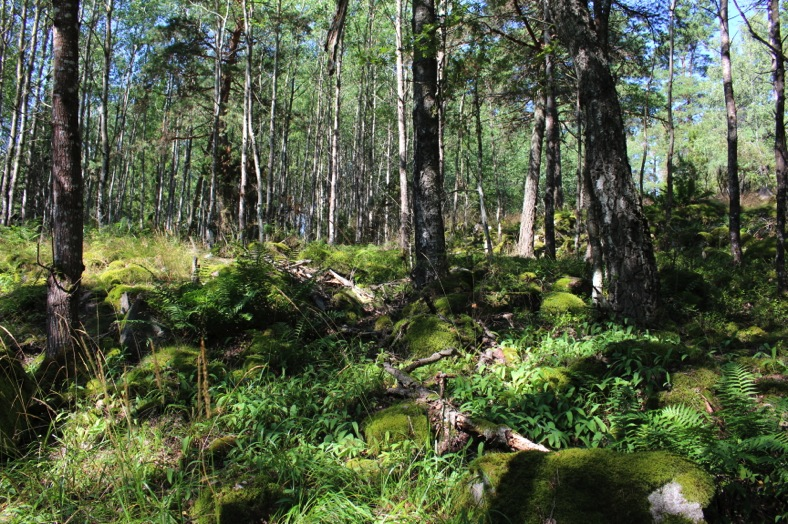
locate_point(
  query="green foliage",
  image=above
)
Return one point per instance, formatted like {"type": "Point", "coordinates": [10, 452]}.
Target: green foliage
{"type": "Point", "coordinates": [241, 296]}
{"type": "Point", "coordinates": [363, 264]}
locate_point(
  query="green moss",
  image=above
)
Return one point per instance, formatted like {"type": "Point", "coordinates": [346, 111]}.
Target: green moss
{"type": "Point", "coordinates": [691, 387]}
{"type": "Point", "coordinates": [559, 303]}
{"type": "Point", "coordinates": [114, 294]}
{"type": "Point", "coordinates": [384, 323]}
{"type": "Point", "coordinates": [119, 272]}
{"type": "Point", "coordinates": [239, 502]}
{"type": "Point", "coordinates": [423, 335]}
{"type": "Point", "coordinates": [764, 249]}
{"type": "Point", "coordinates": [527, 276]}
{"type": "Point", "coordinates": [368, 469]}
{"type": "Point", "coordinates": [405, 421]}
{"type": "Point", "coordinates": [16, 391]}
{"type": "Point", "coordinates": [751, 335]}
{"type": "Point", "coordinates": [582, 485]}
{"type": "Point", "coordinates": [569, 284]}
{"type": "Point", "coordinates": [453, 303]}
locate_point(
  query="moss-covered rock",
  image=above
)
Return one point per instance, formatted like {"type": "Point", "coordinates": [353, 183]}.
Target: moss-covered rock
{"type": "Point", "coordinates": [453, 303]}
{"type": "Point", "coordinates": [384, 323]}
{"type": "Point", "coordinates": [590, 486]}
{"type": "Point", "coordinates": [691, 387]}
{"type": "Point", "coordinates": [240, 502]}
{"type": "Point", "coordinates": [119, 272]}
{"type": "Point", "coordinates": [553, 379]}
{"type": "Point", "coordinates": [685, 287]}
{"type": "Point", "coordinates": [423, 335]}
{"type": "Point", "coordinates": [16, 391]}
{"type": "Point", "coordinates": [558, 303]}
{"type": "Point", "coordinates": [401, 422]}
{"type": "Point", "coordinates": [574, 285]}
{"type": "Point", "coordinates": [752, 335]}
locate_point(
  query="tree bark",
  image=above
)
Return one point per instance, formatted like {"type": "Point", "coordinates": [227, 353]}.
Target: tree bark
{"type": "Point", "coordinates": [734, 204]}
{"type": "Point", "coordinates": [430, 243]}
{"type": "Point", "coordinates": [333, 164]}
{"type": "Point", "coordinates": [780, 148]}
{"type": "Point", "coordinates": [402, 139]}
{"type": "Point", "coordinates": [63, 284]}
{"type": "Point", "coordinates": [104, 118]}
{"type": "Point", "coordinates": [525, 243]}
{"type": "Point", "coordinates": [614, 206]}
{"type": "Point", "coordinates": [488, 248]}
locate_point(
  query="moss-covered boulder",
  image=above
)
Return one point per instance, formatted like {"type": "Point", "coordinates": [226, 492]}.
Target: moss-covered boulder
{"type": "Point", "coordinates": [752, 335]}
{"type": "Point", "coordinates": [587, 486]}
{"type": "Point", "coordinates": [692, 387]}
{"type": "Point", "coordinates": [685, 287]}
{"type": "Point", "coordinates": [423, 335]}
{"type": "Point", "coordinates": [120, 272]}
{"type": "Point", "coordinates": [16, 391]}
{"type": "Point", "coordinates": [401, 422]}
{"type": "Point", "coordinates": [557, 303]}
{"type": "Point", "coordinates": [246, 501]}
{"type": "Point", "coordinates": [574, 285]}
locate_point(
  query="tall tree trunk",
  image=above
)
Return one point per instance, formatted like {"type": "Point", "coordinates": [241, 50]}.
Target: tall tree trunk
{"type": "Point", "coordinates": [525, 243]}
{"type": "Point", "coordinates": [623, 233]}
{"type": "Point", "coordinates": [333, 164]}
{"type": "Point", "coordinates": [269, 191]}
{"type": "Point", "coordinates": [104, 118]}
{"type": "Point", "coordinates": [553, 139]}
{"type": "Point", "coordinates": [65, 277]}
{"type": "Point", "coordinates": [402, 140]}
{"type": "Point", "coordinates": [734, 204]}
{"type": "Point", "coordinates": [430, 242]}
{"type": "Point", "coordinates": [488, 249]}
{"type": "Point", "coordinates": [18, 111]}
{"type": "Point", "coordinates": [780, 149]}
{"type": "Point", "coordinates": [671, 128]}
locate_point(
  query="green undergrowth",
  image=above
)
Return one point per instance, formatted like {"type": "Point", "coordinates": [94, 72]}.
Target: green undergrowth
{"type": "Point", "coordinates": [265, 398]}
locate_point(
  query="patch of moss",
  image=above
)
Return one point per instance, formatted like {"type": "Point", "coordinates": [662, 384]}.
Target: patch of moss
{"type": "Point", "coordinates": [405, 421]}
{"type": "Point", "coordinates": [119, 272]}
{"type": "Point", "coordinates": [685, 287]}
{"type": "Point", "coordinates": [114, 295]}
{"type": "Point", "coordinates": [691, 387]}
{"type": "Point", "coordinates": [368, 469]}
{"type": "Point", "coordinates": [558, 303]}
{"type": "Point", "coordinates": [582, 485]}
{"type": "Point", "coordinates": [453, 303]}
{"type": "Point", "coordinates": [752, 335]}
{"type": "Point", "coordinates": [569, 284]}
{"type": "Point", "coordinates": [384, 323]}
{"type": "Point", "coordinates": [240, 502]}
{"type": "Point", "coordinates": [424, 335]}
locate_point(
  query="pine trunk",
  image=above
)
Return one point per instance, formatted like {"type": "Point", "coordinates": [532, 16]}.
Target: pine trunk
{"type": "Point", "coordinates": [64, 279]}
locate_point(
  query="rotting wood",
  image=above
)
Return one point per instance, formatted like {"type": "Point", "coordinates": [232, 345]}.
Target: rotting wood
{"type": "Point", "coordinates": [446, 418]}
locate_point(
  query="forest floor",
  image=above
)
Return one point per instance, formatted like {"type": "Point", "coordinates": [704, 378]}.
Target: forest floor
{"type": "Point", "coordinates": [262, 388]}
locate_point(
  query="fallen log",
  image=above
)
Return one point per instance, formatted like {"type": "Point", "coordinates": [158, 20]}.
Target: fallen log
{"type": "Point", "coordinates": [448, 420]}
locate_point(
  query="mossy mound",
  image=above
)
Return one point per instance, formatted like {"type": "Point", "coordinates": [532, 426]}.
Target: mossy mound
{"type": "Point", "coordinates": [574, 285]}
{"type": "Point", "coordinates": [590, 486]}
{"type": "Point", "coordinates": [119, 272]}
{"type": "Point", "coordinates": [240, 502]}
{"type": "Point", "coordinates": [453, 303]}
{"type": "Point", "coordinates": [553, 379]}
{"type": "Point", "coordinates": [763, 249]}
{"type": "Point", "coordinates": [423, 335]}
{"type": "Point", "coordinates": [691, 387]}
{"type": "Point", "coordinates": [558, 303]}
{"type": "Point", "coordinates": [752, 335]}
{"type": "Point", "coordinates": [16, 391]}
{"type": "Point", "coordinates": [401, 422]}
{"type": "Point", "coordinates": [114, 295]}
{"type": "Point", "coordinates": [384, 323]}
